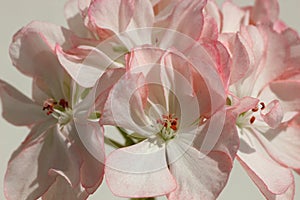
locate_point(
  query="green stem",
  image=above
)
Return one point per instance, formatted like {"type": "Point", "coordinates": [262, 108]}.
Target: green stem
{"type": "Point", "coordinates": [112, 143]}
{"type": "Point", "coordinates": [128, 141]}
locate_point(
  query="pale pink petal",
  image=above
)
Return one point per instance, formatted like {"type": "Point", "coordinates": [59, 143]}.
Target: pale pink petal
{"type": "Point", "coordinates": [243, 105]}
{"type": "Point", "coordinates": [286, 92]}
{"type": "Point", "coordinates": [84, 66]}
{"type": "Point", "coordinates": [265, 11]}
{"type": "Point", "coordinates": [127, 110]}
{"type": "Point", "coordinates": [241, 60]}
{"type": "Point", "coordinates": [212, 10]}
{"type": "Point", "coordinates": [272, 114]}
{"type": "Point", "coordinates": [229, 139]}
{"type": "Point", "coordinates": [90, 143]}
{"type": "Point", "coordinates": [199, 176]}
{"type": "Point", "coordinates": [32, 52]}
{"type": "Point", "coordinates": [105, 84]}
{"type": "Point", "coordinates": [75, 19]}
{"type": "Point", "coordinates": [140, 170]}
{"type": "Point", "coordinates": [233, 17]}
{"type": "Point", "coordinates": [40, 91]}
{"type": "Point", "coordinates": [61, 189]}
{"type": "Point", "coordinates": [30, 170]}
{"type": "Point", "coordinates": [144, 59]}
{"type": "Point", "coordinates": [220, 55]}
{"type": "Point", "coordinates": [19, 109]}
{"type": "Point", "coordinates": [274, 61]}
{"type": "Point", "coordinates": [258, 163]}
{"type": "Point", "coordinates": [89, 140]}
{"type": "Point", "coordinates": [186, 18]}
{"type": "Point", "coordinates": [51, 34]}
{"type": "Point", "coordinates": [283, 144]}
{"type": "Point", "coordinates": [210, 28]}
{"type": "Point", "coordinates": [120, 13]}
{"type": "Point", "coordinates": [143, 15]}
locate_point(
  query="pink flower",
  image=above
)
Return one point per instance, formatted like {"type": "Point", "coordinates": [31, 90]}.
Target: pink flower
{"type": "Point", "coordinates": [166, 102]}
{"type": "Point", "coordinates": [264, 75]}
{"type": "Point", "coordinates": [53, 161]}
{"type": "Point", "coordinates": [130, 24]}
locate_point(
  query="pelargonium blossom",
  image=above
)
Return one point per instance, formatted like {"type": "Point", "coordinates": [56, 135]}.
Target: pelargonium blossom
{"type": "Point", "coordinates": [131, 24]}
{"type": "Point", "coordinates": [166, 103]}
{"type": "Point", "coordinates": [265, 67]}
{"type": "Point", "coordinates": [53, 161]}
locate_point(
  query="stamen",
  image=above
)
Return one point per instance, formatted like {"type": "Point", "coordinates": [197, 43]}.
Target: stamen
{"type": "Point", "coordinates": [59, 111]}
{"type": "Point", "coordinates": [252, 120]}
{"type": "Point", "coordinates": [49, 105]}
{"type": "Point", "coordinates": [169, 123]}
{"type": "Point", "coordinates": [63, 103]}
{"type": "Point", "coordinates": [263, 106]}
{"type": "Point", "coordinates": [255, 109]}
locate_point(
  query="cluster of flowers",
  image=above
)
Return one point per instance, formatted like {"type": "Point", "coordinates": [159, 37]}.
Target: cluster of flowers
{"type": "Point", "coordinates": [190, 87]}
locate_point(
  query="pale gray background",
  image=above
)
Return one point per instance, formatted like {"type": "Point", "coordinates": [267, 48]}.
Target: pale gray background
{"type": "Point", "coordinates": [15, 14]}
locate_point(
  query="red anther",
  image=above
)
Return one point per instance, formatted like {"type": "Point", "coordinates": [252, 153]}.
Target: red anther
{"type": "Point", "coordinates": [263, 106]}
{"type": "Point", "coordinates": [174, 127]}
{"type": "Point", "coordinates": [168, 120]}
{"type": "Point", "coordinates": [255, 109]}
{"type": "Point", "coordinates": [49, 106]}
{"type": "Point", "coordinates": [252, 119]}
{"type": "Point", "coordinates": [63, 103]}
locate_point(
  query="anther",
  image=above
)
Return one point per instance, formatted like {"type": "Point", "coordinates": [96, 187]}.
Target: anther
{"type": "Point", "coordinates": [49, 106]}
{"type": "Point", "coordinates": [252, 120]}
{"type": "Point", "coordinates": [263, 106]}
{"type": "Point", "coordinates": [255, 109]}
{"type": "Point", "coordinates": [63, 103]}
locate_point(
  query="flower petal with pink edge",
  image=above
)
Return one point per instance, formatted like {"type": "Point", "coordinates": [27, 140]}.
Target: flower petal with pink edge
{"type": "Point", "coordinates": [29, 173]}
{"type": "Point", "coordinates": [90, 142]}
{"type": "Point", "coordinates": [119, 110]}
{"type": "Point", "coordinates": [61, 189]}
{"type": "Point", "coordinates": [105, 84]}
{"type": "Point", "coordinates": [84, 66]}
{"type": "Point", "coordinates": [241, 59]}
{"type": "Point", "coordinates": [198, 176]}
{"type": "Point", "coordinates": [211, 9]}
{"type": "Point", "coordinates": [272, 114]}
{"type": "Point", "coordinates": [19, 109]}
{"type": "Point", "coordinates": [32, 52]}
{"type": "Point", "coordinates": [265, 11]}
{"type": "Point", "coordinates": [140, 170]}
{"type": "Point", "coordinates": [243, 105]}
{"type": "Point", "coordinates": [228, 140]}
{"type": "Point", "coordinates": [120, 13]}
{"type": "Point", "coordinates": [186, 18]}
{"type": "Point", "coordinates": [275, 57]}
{"type": "Point", "coordinates": [255, 160]}
{"type": "Point", "coordinates": [220, 55]}
{"type": "Point", "coordinates": [233, 17]}
{"type": "Point", "coordinates": [283, 144]}
{"type": "Point", "coordinates": [286, 92]}
{"type": "Point", "coordinates": [75, 19]}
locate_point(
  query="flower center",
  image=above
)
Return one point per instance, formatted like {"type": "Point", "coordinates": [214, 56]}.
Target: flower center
{"type": "Point", "coordinates": [169, 125]}
{"type": "Point", "coordinates": [59, 110]}
{"type": "Point", "coordinates": [248, 118]}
